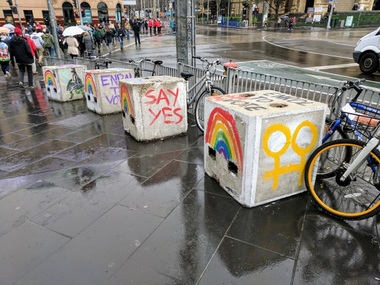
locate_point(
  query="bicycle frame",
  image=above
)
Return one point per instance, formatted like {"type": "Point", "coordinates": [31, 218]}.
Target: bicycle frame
{"type": "Point", "coordinates": [345, 117]}
{"type": "Point", "coordinates": [363, 155]}
{"type": "Point", "coordinates": [204, 81]}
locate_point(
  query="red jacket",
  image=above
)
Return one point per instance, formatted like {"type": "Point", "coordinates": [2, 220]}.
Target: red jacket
{"type": "Point", "coordinates": [150, 23]}
{"type": "Point", "coordinates": [32, 45]}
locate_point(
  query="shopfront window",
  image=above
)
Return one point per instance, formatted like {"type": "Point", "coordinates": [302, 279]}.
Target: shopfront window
{"type": "Point", "coordinates": [8, 16]}
{"type": "Point", "coordinates": [103, 13]}
{"type": "Point", "coordinates": [86, 13]}
{"type": "Point", "coordinates": [68, 14]}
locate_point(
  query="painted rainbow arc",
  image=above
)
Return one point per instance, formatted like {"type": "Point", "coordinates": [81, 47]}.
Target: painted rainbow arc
{"type": "Point", "coordinates": [126, 102]}
{"type": "Point", "coordinates": [89, 84]}
{"type": "Point", "coordinates": [222, 135]}
{"type": "Point", "coordinates": [50, 78]}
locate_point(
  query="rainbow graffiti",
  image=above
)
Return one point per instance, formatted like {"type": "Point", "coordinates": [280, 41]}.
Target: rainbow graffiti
{"type": "Point", "coordinates": [50, 78]}
{"type": "Point", "coordinates": [222, 135]}
{"type": "Point", "coordinates": [89, 84]}
{"type": "Point", "coordinates": [126, 102]}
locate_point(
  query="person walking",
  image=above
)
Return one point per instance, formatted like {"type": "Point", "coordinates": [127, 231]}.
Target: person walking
{"type": "Point", "coordinates": [136, 31]}
{"type": "Point", "coordinates": [72, 46]}
{"type": "Point", "coordinates": [5, 57]}
{"type": "Point", "coordinates": [20, 48]}
{"type": "Point", "coordinates": [89, 43]}
{"type": "Point", "coordinates": [38, 41]}
{"type": "Point", "coordinates": [150, 26]}
{"type": "Point", "coordinates": [49, 44]}
{"type": "Point", "coordinates": [33, 49]}
{"type": "Point", "coordinates": [109, 38]}
{"type": "Point", "coordinates": [120, 34]}
{"type": "Point", "coordinates": [127, 29]}
{"type": "Point", "coordinates": [97, 37]}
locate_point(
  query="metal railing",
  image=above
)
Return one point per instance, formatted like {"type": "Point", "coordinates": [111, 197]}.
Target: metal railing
{"type": "Point", "coordinates": [237, 81]}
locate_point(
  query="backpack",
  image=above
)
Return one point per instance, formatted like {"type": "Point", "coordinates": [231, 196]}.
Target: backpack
{"type": "Point", "coordinates": [4, 54]}
{"type": "Point", "coordinates": [48, 41]}
{"type": "Point", "coordinates": [97, 34]}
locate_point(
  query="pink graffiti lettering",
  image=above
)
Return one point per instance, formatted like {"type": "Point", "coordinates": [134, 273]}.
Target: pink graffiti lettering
{"type": "Point", "coordinates": [170, 116]}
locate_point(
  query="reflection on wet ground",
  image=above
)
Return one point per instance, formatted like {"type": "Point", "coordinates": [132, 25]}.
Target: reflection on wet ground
{"type": "Point", "coordinates": [82, 202]}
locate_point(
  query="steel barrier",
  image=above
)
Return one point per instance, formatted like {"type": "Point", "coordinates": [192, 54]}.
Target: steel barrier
{"type": "Point", "coordinates": [237, 81]}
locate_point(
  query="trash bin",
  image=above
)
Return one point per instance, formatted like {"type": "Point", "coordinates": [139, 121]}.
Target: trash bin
{"type": "Point", "coordinates": [256, 144]}
{"type": "Point", "coordinates": [102, 89]}
{"type": "Point", "coordinates": [64, 82]}
{"type": "Point", "coordinates": [154, 107]}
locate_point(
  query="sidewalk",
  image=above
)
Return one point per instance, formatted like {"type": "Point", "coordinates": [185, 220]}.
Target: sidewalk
{"type": "Point", "coordinates": [82, 202]}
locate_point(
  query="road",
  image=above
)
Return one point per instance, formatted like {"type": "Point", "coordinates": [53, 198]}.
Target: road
{"type": "Point", "coordinates": [319, 49]}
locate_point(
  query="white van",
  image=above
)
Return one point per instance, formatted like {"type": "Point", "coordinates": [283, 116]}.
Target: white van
{"type": "Point", "coordinates": [367, 52]}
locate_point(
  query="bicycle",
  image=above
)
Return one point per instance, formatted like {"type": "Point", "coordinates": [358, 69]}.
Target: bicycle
{"type": "Point", "coordinates": [348, 186]}
{"type": "Point", "coordinates": [100, 62]}
{"type": "Point", "coordinates": [138, 70]}
{"type": "Point", "coordinates": [204, 87]}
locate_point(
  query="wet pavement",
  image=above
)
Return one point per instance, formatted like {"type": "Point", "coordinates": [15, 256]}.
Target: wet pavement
{"type": "Point", "coordinates": [82, 202]}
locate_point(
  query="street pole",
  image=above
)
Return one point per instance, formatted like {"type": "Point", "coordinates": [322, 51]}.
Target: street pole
{"type": "Point", "coordinates": [228, 14]}
{"type": "Point", "coordinates": [80, 12]}
{"type": "Point", "coordinates": [18, 14]}
{"type": "Point", "coordinates": [53, 28]}
{"type": "Point", "coordinates": [330, 14]}
{"type": "Point", "coordinates": [185, 31]}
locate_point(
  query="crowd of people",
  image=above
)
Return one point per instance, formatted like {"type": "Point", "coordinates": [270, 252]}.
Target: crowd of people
{"type": "Point", "coordinates": [25, 48]}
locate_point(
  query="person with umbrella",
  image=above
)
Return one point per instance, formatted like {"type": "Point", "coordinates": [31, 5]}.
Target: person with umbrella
{"type": "Point", "coordinates": [72, 46]}
{"type": "Point", "coordinates": [19, 47]}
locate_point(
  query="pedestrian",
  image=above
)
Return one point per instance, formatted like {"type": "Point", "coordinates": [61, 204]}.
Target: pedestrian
{"type": "Point", "coordinates": [278, 24]}
{"type": "Point", "coordinates": [97, 37]}
{"type": "Point", "coordinates": [159, 26]}
{"type": "Point", "coordinates": [120, 34]}
{"type": "Point", "coordinates": [72, 46]}
{"type": "Point", "coordinates": [150, 25]}
{"type": "Point", "coordinates": [33, 49]}
{"type": "Point", "coordinates": [19, 47]}
{"type": "Point", "coordinates": [81, 46]}
{"type": "Point", "coordinates": [172, 25]}
{"type": "Point", "coordinates": [48, 44]}
{"type": "Point", "coordinates": [5, 57]}
{"type": "Point", "coordinates": [155, 26]}
{"type": "Point", "coordinates": [39, 44]}
{"type": "Point", "coordinates": [89, 43]}
{"type": "Point", "coordinates": [136, 31]}
{"type": "Point", "coordinates": [127, 29]}
{"type": "Point", "coordinates": [109, 37]}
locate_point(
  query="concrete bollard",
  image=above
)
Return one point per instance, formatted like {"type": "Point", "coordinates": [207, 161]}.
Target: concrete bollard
{"type": "Point", "coordinates": [102, 91]}
{"type": "Point", "coordinates": [64, 82]}
{"type": "Point", "coordinates": [257, 143]}
{"type": "Point", "coordinates": [154, 107]}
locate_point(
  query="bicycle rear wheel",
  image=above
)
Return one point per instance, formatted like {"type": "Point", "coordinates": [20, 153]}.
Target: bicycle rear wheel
{"type": "Point", "coordinates": [199, 106]}
{"type": "Point", "coordinates": [355, 198]}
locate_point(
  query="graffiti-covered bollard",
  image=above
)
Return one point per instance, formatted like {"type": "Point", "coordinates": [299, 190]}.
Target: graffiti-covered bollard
{"type": "Point", "coordinates": [64, 82]}
{"type": "Point", "coordinates": [257, 143]}
{"type": "Point", "coordinates": [154, 107]}
{"type": "Point", "coordinates": [102, 91]}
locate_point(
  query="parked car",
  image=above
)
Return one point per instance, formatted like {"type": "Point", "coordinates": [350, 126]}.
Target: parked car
{"type": "Point", "coordinates": [367, 52]}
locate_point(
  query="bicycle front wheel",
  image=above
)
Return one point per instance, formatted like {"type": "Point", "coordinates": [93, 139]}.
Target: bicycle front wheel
{"type": "Point", "coordinates": [356, 198]}
{"type": "Point", "coordinates": [199, 106]}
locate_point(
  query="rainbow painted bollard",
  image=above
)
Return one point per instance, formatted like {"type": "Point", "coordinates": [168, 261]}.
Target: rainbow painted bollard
{"type": "Point", "coordinates": [154, 107]}
{"type": "Point", "coordinates": [102, 91]}
{"type": "Point", "coordinates": [64, 82]}
{"type": "Point", "coordinates": [257, 143]}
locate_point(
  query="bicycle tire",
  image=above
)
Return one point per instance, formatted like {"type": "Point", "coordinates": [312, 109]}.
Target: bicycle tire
{"type": "Point", "coordinates": [357, 197]}
{"type": "Point", "coordinates": [199, 105]}
{"type": "Point", "coordinates": [338, 134]}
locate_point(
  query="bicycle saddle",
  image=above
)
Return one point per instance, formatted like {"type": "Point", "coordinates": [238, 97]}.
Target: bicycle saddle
{"type": "Point", "coordinates": [186, 75]}
{"type": "Point", "coordinates": [158, 62]}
